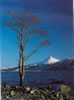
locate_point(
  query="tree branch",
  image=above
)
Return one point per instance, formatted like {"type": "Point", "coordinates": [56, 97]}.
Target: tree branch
{"type": "Point", "coordinates": [42, 44]}
{"type": "Point", "coordinates": [15, 43]}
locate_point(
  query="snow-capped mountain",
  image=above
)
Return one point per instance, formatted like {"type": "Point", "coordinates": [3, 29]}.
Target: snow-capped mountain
{"type": "Point", "coordinates": [49, 60]}
{"type": "Point", "coordinates": [66, 64]}
{"type": "Point", "coordinates": [55, 64]}
{"type": "Point", "coordinates": [52, 60]}
{"type": "Point", "coordinates": [49, 64]}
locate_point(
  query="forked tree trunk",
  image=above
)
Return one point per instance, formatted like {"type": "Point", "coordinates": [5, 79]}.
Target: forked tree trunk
{"type": "Point", "coordinates": [21, 66]}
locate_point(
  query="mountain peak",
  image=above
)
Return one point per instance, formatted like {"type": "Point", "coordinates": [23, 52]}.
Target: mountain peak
{"type": "Point", "coordinates": [49, 60]}
{"type": "Point", "coordinates": [52, 60]}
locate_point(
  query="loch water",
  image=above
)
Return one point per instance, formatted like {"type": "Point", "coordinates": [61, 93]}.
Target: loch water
{"type": "Point", "coordinates": [41, 78]}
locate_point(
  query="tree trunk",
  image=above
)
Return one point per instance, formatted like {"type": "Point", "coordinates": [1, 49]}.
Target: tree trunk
{"type": "Point", "coordinates": [20, 69]}
{"type": "Point", "coordinates": [22, 76]}
{"type": "Point", "coordinates": [21, 80]}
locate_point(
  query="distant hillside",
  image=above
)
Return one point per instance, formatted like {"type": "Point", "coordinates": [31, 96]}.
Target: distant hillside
{"type": "Point", "coordinates": [51, 64]}
{"type": "Point", "coordinates": [66, 64]}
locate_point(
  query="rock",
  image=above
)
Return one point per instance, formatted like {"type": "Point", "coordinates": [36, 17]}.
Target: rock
{"type": "Point", "coordinates": [43, 98]}
{"type": "Point", "coordinates": [65, 89]}
{"type": "Point", "coordinates": [44, 93]}
{"type": "Point", "coordinates": [27, 89]}
{"type": "Point", "coordinates": [7, 97]}
{"type": "Point", "coordinates": [32, 91]}
{"type": "Point", "coordinates": [12, 93]}
{"type": "Point", "coordinates": [57, 94]}
{"type": "Point", "coordinates": [61, 97]}
{"type": "Point", "coordinates": [49, 87]}
{"type": "Point", "coordinates": [17, 87]}
{"type": "Point", "coordinates": [53, 97]}
{"type": "Point", "coordinates": [22, 99]}
{"type": "Point", "coordinates": [7, 86]}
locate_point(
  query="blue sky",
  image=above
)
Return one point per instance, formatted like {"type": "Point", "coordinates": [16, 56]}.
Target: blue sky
{"type": "Point", "coordinates": [55, 17]}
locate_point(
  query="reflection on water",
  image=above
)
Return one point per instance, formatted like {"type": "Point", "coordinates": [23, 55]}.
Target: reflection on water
{"type": "Point", "coordinates": [39, 78]}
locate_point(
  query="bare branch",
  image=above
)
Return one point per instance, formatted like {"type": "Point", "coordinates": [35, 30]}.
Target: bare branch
{"type": "Point", "coordinates": [18, 37]}
{"type": "Point", "coordinates": [13, 42]}
{"type": "Point", "coordinates": [42, 44]}
{"type": "Point", "coordinates": [21, 24]}
{"type": "Point", "coordinates": [45, 42]}
{"type": "Point", "coordinates": [26, 43]}
{"type": "Point", "coordinates": [14, 16]}
{"type": "Point", "coordinates": [11, 25]}
{"type": "Point", "coordinates": [38, 31]}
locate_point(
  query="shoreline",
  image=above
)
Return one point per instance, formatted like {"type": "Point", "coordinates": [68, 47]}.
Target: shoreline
{"type": "Point", "coordinates": [43, 93]}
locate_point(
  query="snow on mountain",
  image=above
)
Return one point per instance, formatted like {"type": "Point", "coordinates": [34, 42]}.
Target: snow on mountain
{"type": "Point", "coordinates": [66, 64]}
{"type": "Point", "coordinates": [55, 64]}
{"type": "Point", "coordinates": [52, 60]}
{"type": "Point", "coordinates": [67, 60]}
{"type": "Point", "coordinates": [48, 64]}
{"type": "Point", "coordinates": [10, 69]}
{"type": "Point", "coordinates": [49, 60]}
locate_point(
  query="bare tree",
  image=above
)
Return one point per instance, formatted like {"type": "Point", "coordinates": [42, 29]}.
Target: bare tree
{"type": "Point", "coordinates": [23, 26]}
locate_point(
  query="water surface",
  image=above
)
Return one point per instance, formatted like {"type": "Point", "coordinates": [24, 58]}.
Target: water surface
{"type": "Point", "coordinates": [42, 78]}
